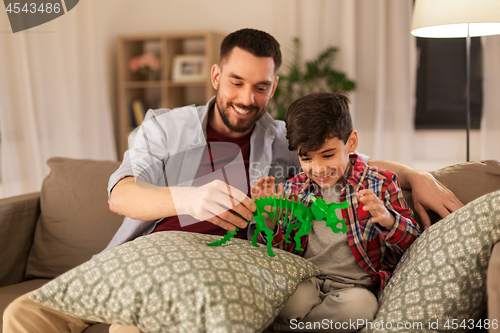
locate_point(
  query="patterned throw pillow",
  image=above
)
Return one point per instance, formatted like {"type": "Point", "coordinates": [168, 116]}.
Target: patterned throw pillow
{"type": "Point", "coordinates": [440, 283]}
{"type": "Point", "coordinates": [173, 282]}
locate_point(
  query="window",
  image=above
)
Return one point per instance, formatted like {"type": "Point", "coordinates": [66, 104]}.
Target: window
{"type": "Point", "coordinates": [441, 83]}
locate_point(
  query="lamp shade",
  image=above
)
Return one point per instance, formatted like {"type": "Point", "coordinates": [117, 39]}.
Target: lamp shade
{"type": "Point", "coordinates": [450, 18]}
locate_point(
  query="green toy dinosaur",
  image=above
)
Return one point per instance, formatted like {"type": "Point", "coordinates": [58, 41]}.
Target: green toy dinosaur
{"type": "Point", "coordinates": [286, 209]}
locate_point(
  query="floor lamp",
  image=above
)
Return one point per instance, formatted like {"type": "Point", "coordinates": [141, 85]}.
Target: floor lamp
{"type": "Point", "coordinates": [457, 18]}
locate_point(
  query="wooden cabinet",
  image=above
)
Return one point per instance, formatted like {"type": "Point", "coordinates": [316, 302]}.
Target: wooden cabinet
{"type": "Point", "coordinates": [180, 80]}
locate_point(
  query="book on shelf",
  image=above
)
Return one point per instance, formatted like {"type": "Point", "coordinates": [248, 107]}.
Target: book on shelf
{"type": "Point", "coordinates": [137, 112]}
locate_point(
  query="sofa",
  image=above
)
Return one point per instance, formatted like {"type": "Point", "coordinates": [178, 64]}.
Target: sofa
{"type": "Point", "coordinates": [44, 234]}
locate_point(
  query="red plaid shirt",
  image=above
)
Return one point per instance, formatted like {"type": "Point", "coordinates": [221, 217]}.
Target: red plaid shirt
{"type": "Point", "coordinates": [376, 249]}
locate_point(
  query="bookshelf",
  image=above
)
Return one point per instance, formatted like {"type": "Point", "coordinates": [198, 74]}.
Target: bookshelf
{"type": "Point", "coordinates": [161, 89]}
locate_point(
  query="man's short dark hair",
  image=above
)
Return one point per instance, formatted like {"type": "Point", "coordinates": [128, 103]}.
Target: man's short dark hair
{"type": "Point", "coordinates": [256, 42]}
{"type": "Point", "coordinates": [315, 118]}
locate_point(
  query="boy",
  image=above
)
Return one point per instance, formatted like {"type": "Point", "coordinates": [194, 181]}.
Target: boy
{"type": "Point", "coordinates": [379, 222]}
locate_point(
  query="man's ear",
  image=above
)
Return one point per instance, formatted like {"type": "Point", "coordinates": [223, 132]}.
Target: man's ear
{"type": "Point", "coordinates": [215, 75]}
{"type": "Point", "coordinates": [275, 85]}
{"type": "Point", "coordinates": [352, 142]}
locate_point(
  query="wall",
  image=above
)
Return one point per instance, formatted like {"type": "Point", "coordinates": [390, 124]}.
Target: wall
{"type": "Point", "coordinates": [435, 149]}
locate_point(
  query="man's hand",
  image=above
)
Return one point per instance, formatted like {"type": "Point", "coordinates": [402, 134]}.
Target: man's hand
{"type": "Point", "coordinates": [377, 209]}
{"type": "Point", "coordinates": [211, 202]}
{"type": "Point", "coordinates": [430, 194]}
{"type": "Point", "coordinates": [427, 192]}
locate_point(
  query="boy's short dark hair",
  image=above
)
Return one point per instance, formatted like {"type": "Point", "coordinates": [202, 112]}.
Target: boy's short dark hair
{"type": "Point", "coordinates": [258, 43]}
{"type": "Point", "coordinates": [315, 118]}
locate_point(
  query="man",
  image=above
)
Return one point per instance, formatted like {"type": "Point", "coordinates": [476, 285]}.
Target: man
{"type": "Point", "coordinates": [164, 181]}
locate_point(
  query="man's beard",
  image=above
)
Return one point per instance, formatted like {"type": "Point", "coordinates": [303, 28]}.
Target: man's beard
{"type": "Point", "coordinates": [224, 114]}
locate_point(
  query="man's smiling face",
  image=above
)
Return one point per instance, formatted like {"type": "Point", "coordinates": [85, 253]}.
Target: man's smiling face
{"type": "Point", "coordinates": [245, 84]}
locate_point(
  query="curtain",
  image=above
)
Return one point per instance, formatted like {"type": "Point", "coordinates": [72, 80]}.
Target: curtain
{"type": "Point", "coordinates": [490, 123]}
{"type": "Point", "coordinates": [54, 97]}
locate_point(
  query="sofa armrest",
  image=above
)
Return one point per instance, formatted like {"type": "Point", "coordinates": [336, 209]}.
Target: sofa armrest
{"type": "Point", "coordinates": [18, 217]}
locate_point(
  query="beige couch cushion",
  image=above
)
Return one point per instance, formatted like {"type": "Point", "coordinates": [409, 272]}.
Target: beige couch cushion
{"type": "Point", "coordinates": [75, 221]}
{"type": "Point", "coordinates": [467, 181]}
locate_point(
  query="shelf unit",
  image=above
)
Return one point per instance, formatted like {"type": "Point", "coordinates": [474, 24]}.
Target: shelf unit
{"type": "Point", "coordinates": [161, 91]}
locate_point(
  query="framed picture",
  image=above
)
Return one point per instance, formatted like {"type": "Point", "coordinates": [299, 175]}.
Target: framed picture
{"type": "Point", "coordinates": [188, 68]}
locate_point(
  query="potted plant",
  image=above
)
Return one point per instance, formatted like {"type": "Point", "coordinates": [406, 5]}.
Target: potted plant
{"type": "Point", "coordinates": [317, 75]}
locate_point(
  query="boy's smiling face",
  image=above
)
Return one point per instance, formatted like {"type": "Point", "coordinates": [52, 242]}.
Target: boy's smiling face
{"type": "Point", "coordinates": [329, 163]}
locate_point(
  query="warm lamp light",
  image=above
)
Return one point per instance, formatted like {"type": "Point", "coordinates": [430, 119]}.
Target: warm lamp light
{"type": "Point", "coordinates": [452, 18]}
{"type": "Point", "coordinates": [457, 18]}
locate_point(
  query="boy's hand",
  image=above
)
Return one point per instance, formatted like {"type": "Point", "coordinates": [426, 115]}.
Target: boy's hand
{"type": "Point", "coordinates": [264, 187]}
{"type": "Point", "coordinates": [376, 207]}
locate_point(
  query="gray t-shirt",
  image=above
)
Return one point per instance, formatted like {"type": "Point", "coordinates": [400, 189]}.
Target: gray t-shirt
{"type": "Point", "coordinates": [331, 252]}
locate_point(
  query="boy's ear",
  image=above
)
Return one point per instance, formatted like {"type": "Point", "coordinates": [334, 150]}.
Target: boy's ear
{"type": "Point", "coordinates": [352, 142]}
